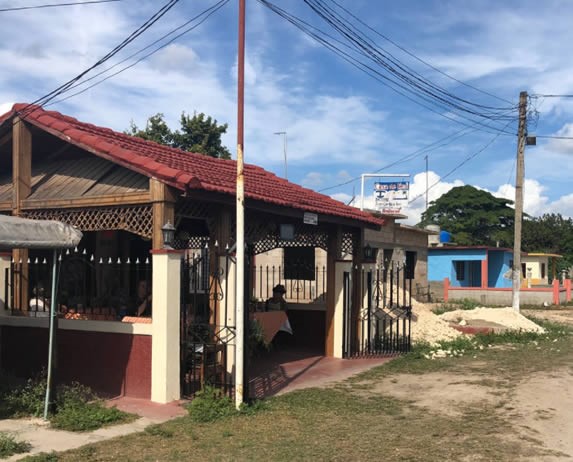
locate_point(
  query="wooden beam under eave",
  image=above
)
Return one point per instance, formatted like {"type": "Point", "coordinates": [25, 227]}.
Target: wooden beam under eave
{"type": "Point", "coordinates": [95, 201]}
{"type": "Point", "coordinates": [21, 164]}
{"type": "Point", "coordinates": [163, 198]}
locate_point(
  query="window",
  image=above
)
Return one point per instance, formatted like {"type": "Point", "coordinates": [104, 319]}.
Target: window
{"type": "Point", "coordinates": [460, 268]}
{"type": "Point", "coordinates": [299, 263]}
{"type": "Point", "coordinates": [523, 271]}
{"type": "Point", "coordinates": [542, 270]}
{"type": "Point", "coordinates": [410, 264]}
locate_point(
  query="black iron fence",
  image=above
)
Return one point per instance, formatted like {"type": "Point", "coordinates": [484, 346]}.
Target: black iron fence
{"type": "Point", "coordinates": [303, 284]}
{"type": "Point", "coordinates": [207, 321]}
{"type": "Point", "coordinates": [88, 287]}
{"type": "Point", "coordinates": [381, 324]}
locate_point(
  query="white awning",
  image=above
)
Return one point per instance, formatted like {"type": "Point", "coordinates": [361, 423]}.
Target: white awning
{"type": "Point", "coordinates": [23, 233]}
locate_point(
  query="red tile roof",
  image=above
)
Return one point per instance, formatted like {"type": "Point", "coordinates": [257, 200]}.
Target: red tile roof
{"type": "Point", "coordinates": [184, 170]}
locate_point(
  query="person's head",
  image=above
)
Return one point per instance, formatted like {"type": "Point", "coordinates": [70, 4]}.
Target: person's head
{"type": "Point", "coordinates": [279, 291]}
{"type": "Point", "coordinates": [39, 291]}
{"type": "Point", "coordinates": [142, 289]}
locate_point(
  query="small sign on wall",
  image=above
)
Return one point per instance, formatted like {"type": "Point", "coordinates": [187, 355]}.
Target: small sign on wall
{"type": "Point", "coordinates": [310, 218]}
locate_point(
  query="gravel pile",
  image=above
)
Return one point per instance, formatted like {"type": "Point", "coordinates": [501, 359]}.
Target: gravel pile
{"type": "Point", "coordinates": [506, 317]}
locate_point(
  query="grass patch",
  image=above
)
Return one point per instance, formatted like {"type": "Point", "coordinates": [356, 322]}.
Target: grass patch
{"type": "Point", "coordinates": [465, 304]}
{"type": "Point", "coordinates": [9, 445]}
{"type": "Point", "coordinates": [211, 404]}
{"type": "Point", "coordinates": [77, 407]}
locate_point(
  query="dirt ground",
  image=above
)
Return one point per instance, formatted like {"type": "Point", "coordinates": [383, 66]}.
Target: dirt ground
{"type": "Point", "coordinates": [562, 316]}
{"type": "Point", "coordinates": [539, 407]}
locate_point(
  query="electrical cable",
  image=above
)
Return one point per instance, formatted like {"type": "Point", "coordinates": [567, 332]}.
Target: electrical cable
{"type": "Point", "coordinates": [54, 5]}
{"type": "Point", "coordinates": [135, 34]}
{"type": "Point", "coordinates": [319, 36]}
{"type": "Point", "coordinates": [409, 53]}
{"type": "Point", "coordinates": [457, 167]}
{"type": "Point", "coordinates": [208, 12]}
{"type": "Point", "coordinates": [383, 57]}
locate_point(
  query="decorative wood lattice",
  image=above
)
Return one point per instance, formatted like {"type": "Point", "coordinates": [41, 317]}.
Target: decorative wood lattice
{"type": "Point", "coordinates": [348, 243]}
{"type": "Point", "coordinates": [136, 219]}
{"type": "Point", "coordinates": [195, 209]}
{"type": "Point", "coordinates": [305, 236]}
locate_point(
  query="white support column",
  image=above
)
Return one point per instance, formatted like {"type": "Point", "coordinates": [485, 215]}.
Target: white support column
{"type": "Point", "coordinates": [166, 299]}
{"type": "Point", "coordinates": [228, 282]}
{"type": "Point", "coordinates": [340, 267]}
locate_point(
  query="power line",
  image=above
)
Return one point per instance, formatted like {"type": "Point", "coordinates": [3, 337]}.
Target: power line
{"type": "Point", "coordinates": [382, 57]}
{"type": "Point", "coordinates": [208, 12]}
{"type": "Point", "coordinates": [550, 96]}
{"type": "Point", "coordinates": [55, 5]}
{"type": "Point", "coordinates": [403, 88]}
{"type": "Point", "coordinates": [397, 45]}
{"type": "Point", "coordinates": [457, 167]}
{"type": "Point", "coordinates": [418, 153]}
{"type": "Point", "coordinates": [134, 35]}
{"type": "Point", "coordinates": [555, 137]}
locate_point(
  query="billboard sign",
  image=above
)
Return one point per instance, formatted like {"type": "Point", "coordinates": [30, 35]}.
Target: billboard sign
{"type": "Point", "coordinates": [391, 197]}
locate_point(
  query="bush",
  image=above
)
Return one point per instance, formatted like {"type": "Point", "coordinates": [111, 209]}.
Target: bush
{"type": "Point", "coordinates": [82, 416]}
{"type": "Point", "coordinates": [77, 407]}
{"type": "Point", "coordinates": [210, 404]}
{"type": "Point", "coordinates": [9, 445]}
{"type": "Point", "coordinates": [27, 400]}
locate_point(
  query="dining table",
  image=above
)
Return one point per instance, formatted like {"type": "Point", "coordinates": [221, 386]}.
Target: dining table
{"type": "Point", "coordinates": [272, 322]}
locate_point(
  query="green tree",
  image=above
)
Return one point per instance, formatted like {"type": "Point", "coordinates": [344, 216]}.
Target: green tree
{"type": "Point", "coordinates": [550, 233]}
{"type": "Point", "coordinates": [198, 133]}
{"type": "Point", "coordinates": [473, 216]}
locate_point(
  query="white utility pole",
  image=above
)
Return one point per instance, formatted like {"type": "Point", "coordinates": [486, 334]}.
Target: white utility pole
{"type": "Point", "coordinates": [520, 173]}
{"type": "Point", "coordinates": [284, 150]}
{"type": "Point", "coordinates": [240, 230]}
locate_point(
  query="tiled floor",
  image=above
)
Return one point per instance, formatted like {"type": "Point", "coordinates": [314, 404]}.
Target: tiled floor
{"type": "Point", "coordinates": [291, 369]}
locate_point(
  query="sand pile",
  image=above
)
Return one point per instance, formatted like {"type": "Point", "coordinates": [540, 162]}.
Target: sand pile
{"type": "Point", "coordinates": [427, 327]}
{"type": "Point", "coordinates": [506, 317]}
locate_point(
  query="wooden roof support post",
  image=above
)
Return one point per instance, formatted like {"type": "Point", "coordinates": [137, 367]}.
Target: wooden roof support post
{"type": "Point", "coordinates": [163, 200]}
{"type": "Point", "coordinates": [21, 189]}
{"type": "Point", "coordinates": [333, 254]}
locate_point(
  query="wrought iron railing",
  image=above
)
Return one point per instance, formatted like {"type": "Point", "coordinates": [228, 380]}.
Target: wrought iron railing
{"type": "Point", "coordinates": [303, 284]}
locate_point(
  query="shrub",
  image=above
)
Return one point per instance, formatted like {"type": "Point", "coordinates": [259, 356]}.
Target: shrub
{"type": "Point", "coordinates": [82, 416]}
{"type": "Point", "coordinates": [210, 404]}
{"type": "Point", "coordinates": [9, 445]}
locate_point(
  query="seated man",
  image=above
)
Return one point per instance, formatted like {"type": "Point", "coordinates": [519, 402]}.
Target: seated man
{"type": "Point", "coordinates": [277, 301]}
{"type": "Point", "coordinates": [143, 300]}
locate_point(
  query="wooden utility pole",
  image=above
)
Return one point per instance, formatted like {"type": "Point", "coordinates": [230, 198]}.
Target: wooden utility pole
{"type": "Point", "coordinates": [520, 172]}
{"type": "Point", "coordinates": [240, 231]}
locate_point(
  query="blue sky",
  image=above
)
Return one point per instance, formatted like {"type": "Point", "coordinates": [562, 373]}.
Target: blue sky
{"type": "Point", "coordinates": [340, 123]}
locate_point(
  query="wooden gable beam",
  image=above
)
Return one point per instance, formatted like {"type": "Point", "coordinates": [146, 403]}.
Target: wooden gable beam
{"type": "Point", "coordinates": [21, 164]}
{"type": "Point", "coordinates": [163, 198]}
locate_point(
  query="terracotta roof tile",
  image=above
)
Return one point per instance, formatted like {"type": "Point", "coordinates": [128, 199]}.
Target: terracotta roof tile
{"type": "Point", "coordinates": [185, 170]}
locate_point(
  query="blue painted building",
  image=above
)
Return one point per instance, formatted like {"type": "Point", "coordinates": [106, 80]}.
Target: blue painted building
{"type": "Point", "coordinates": [471, 266]}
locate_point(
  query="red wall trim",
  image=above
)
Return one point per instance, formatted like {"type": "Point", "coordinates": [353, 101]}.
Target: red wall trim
{"type": "Point", "coordinates": [111, 364]}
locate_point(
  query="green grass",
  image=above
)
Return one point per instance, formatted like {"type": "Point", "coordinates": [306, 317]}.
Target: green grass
{"type": "Point", "coordinates": [9, 445]}
{"type": "Point", "coordinates": [354, 421]}
{"type": "Point", "coordinates": [465, 304]}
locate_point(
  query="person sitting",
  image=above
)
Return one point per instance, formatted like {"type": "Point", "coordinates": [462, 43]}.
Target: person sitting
{"type": "Point", "coordinates": [39, 303]}
{"type": "Point", "coordinates": [277, 301]}
{"type": "Point", "coordinates": [143, 300]}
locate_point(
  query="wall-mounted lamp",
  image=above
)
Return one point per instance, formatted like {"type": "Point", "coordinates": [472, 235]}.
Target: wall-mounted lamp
{"type": "Point", "coordinates": [369, 253]}
{"type": "Point", "coordinates": [168, 232]}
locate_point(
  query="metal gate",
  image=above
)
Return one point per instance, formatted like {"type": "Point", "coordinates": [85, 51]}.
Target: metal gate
{"type": "Point", "coordinates": [207, 321]}
{"type": "Point", "coordinates": [380, 323]}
